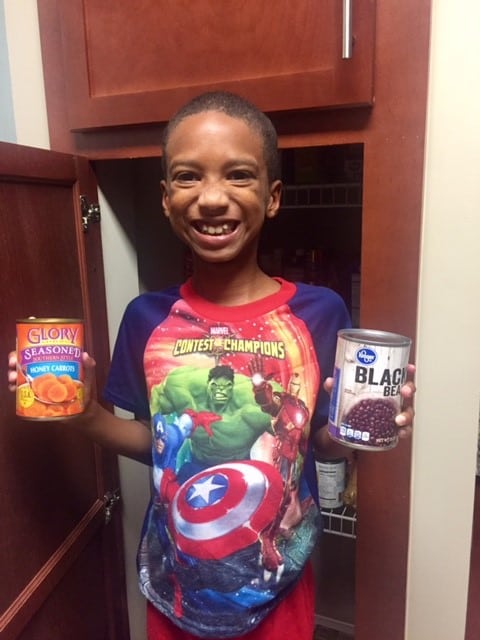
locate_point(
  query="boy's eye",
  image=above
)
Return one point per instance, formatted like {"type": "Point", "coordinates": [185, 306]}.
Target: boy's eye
{"type": "Point", "coordinates": [240, 175]}
{"type": "Point", "coordinates": [185, 176]}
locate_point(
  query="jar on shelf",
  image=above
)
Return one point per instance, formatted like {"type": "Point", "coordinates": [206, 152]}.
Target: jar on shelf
{"type": "Point", "coordinates": [331, 478]}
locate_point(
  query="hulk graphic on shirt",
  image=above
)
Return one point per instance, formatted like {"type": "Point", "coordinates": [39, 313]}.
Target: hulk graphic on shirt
{"type": "Point", "coordinates": [218, 391]}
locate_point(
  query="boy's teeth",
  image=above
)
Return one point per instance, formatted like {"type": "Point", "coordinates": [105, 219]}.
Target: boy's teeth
{"type": "Point", "coordinates": [216, 231]}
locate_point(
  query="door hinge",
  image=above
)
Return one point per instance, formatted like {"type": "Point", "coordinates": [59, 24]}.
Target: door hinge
{"type": "Point", "coordinates": [110, 501]}
{"type": "Point", "coordinates": [90, 212]}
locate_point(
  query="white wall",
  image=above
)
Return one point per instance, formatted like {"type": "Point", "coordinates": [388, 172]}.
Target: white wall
{"type": "Point", "coordinates": [7, 118]}
{"type": "Point", "coordinates": [121, 284]}
{"type": "Point", "coordinates": [449, 308]}
{"type": "Point", "coordinates": [448, 356]}
{"type": "Point", "coordinates": [26, 73]}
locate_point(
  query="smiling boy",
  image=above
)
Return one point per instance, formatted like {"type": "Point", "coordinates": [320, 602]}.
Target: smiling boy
{"type": "Point", "coordinates": [225, 546]}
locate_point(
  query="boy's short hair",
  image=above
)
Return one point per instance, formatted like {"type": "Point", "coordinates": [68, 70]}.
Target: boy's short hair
{"type": "Point", "coordinates": [236, 107]}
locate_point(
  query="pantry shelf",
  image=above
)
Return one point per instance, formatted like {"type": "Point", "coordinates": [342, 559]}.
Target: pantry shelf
{"type": "Point", "coordinates": [340, 522]}
{"type": "Point", "coordinates": [315, 196]}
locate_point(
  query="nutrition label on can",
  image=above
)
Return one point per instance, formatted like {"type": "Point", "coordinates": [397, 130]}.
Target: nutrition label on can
{"type": "Point", "coordinates": [331, 482]}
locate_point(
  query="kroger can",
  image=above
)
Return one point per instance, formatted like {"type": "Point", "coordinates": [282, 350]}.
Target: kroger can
{"type": "Point", "coordinates": [370, 368]}
{"type": "Point", "coordinates": [50, 370]}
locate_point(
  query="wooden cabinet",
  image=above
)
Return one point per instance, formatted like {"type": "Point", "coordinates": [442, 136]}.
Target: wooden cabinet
{"type": "Point", "coordinates": [99, 67]}
{"type": "Point", "coordinates": [129, 63]}
{"type": "Point", "coordinates": [62, 566]}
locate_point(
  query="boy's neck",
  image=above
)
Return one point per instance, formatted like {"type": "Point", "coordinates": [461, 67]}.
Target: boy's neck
{"type": "Point", "coordinates": [225, 285]}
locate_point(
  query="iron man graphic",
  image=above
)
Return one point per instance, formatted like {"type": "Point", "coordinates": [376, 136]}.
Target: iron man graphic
{"type": "Point", "coordinates": [289, 418]}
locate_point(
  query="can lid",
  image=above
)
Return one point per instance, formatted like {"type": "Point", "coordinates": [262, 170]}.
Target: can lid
{"type": "Point", "coordinates": [33, 319]}
{"type": "Point", "coordinates": [376, 337]}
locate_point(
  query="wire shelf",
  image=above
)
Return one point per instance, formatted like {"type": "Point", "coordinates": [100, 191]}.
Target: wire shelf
{"type": "Point", "coordinates": [343, 195]}
{"type": "Point", "coordinates": [340, 522]}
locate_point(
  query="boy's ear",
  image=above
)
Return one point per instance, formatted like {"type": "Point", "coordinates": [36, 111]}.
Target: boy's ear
{"type": "Point", "coordinates": [165, 200]}
{"type": "Point", "coordinates": [274, 200]}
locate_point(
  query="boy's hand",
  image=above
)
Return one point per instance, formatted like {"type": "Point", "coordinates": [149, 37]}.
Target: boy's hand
{"type": "Point", "coordinates": [12, 370]}
{"type": "Point", "coordinates": [403, 420]}
{"type": "Point", "coordinates": [89, 365]}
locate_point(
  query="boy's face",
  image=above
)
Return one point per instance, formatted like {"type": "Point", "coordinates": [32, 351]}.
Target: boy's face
{"type": "Point", "coordinates": [216, 193]}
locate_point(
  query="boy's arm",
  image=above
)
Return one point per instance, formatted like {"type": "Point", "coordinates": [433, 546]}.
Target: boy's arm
{"type": "Point", "coordinates": [329, 448]}
{"type": "Point", "coordinates": [130, 438]}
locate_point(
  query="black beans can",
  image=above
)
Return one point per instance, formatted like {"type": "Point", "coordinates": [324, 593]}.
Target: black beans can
{"type": "Point", "coordinates": [370, 368]}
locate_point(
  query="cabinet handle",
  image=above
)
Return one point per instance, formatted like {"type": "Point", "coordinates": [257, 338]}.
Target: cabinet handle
{"type": "Point", "coordinates": [347, 29]}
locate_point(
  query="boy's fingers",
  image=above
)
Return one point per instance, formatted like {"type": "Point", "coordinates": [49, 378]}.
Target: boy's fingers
{"type": "Point", "coordinates": [405, 418]}
{"type": "Point", "coordinates": [12, 370]}
{"type": "Point", "coordinates": [89, 367]}
{"type": "Point", "coordinates": [88, 361]}
{"type": "Point", "coordinates": [405, 432]}
{"type": "Point", "coordinates": [328, 385]}
{"type": "Point", "coordinates": [12, 380]}
{"type": "Point", "coordinates": [410, 371]}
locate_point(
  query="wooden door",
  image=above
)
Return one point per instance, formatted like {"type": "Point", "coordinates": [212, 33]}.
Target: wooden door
{"type": "Point", "coordinates": [61, 564]}
{"type": "Point", "coordinates": [473, 614]}
{"type": "Point", "coordinates": [136, 63]}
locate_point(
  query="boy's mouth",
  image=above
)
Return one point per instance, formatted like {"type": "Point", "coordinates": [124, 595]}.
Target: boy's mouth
{"type": "Point", "coordinates": [216, 229]}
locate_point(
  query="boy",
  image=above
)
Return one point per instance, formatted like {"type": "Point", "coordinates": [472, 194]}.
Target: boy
{"type": "Point", "coordinates": [228, 369]}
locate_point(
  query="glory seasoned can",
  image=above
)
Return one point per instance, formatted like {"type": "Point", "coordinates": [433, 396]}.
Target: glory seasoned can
{"type": "Point", "coordinates": [370, 368]}
{"type": "Point", "coordinates": [50, 370]}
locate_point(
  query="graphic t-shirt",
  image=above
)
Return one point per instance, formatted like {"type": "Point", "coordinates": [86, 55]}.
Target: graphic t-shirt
{"type": "Point", "coordinates": [233, 395]}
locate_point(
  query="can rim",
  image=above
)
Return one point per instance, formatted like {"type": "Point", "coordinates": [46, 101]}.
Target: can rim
{"type": "Point", "coordinates": [33, 320]}
{"type": "Point", "coordinates": [375, 337]}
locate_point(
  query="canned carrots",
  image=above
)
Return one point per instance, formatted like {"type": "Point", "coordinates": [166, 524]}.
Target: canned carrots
{"type": "Point", "coordinates": [50, 370]}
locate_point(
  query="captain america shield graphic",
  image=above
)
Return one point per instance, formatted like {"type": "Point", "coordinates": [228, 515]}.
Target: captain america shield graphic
{"type": "Point", "coordinates": [224, 508]}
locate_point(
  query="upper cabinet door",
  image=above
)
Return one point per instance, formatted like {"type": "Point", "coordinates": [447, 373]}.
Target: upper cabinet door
{"type": "Point", "coordinates": [137, 62]}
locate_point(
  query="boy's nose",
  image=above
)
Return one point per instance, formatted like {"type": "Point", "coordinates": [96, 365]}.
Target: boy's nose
{"type": "Point", "coordinates": [213, 196]}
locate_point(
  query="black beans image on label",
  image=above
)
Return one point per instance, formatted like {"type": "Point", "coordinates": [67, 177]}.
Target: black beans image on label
{"type": "Point", "coordinates": [375, 416]}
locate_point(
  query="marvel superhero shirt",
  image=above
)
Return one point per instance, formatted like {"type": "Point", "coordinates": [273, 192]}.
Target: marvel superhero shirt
{"type": "Point", "coordinates": [233, 394]}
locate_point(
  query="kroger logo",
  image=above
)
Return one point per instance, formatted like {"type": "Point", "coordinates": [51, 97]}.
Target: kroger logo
{"type": "Point", "coordinates": [366, 356]}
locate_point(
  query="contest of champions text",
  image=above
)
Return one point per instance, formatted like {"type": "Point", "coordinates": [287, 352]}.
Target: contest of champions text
{"type": "Point", "coordinates": [271, 348]}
